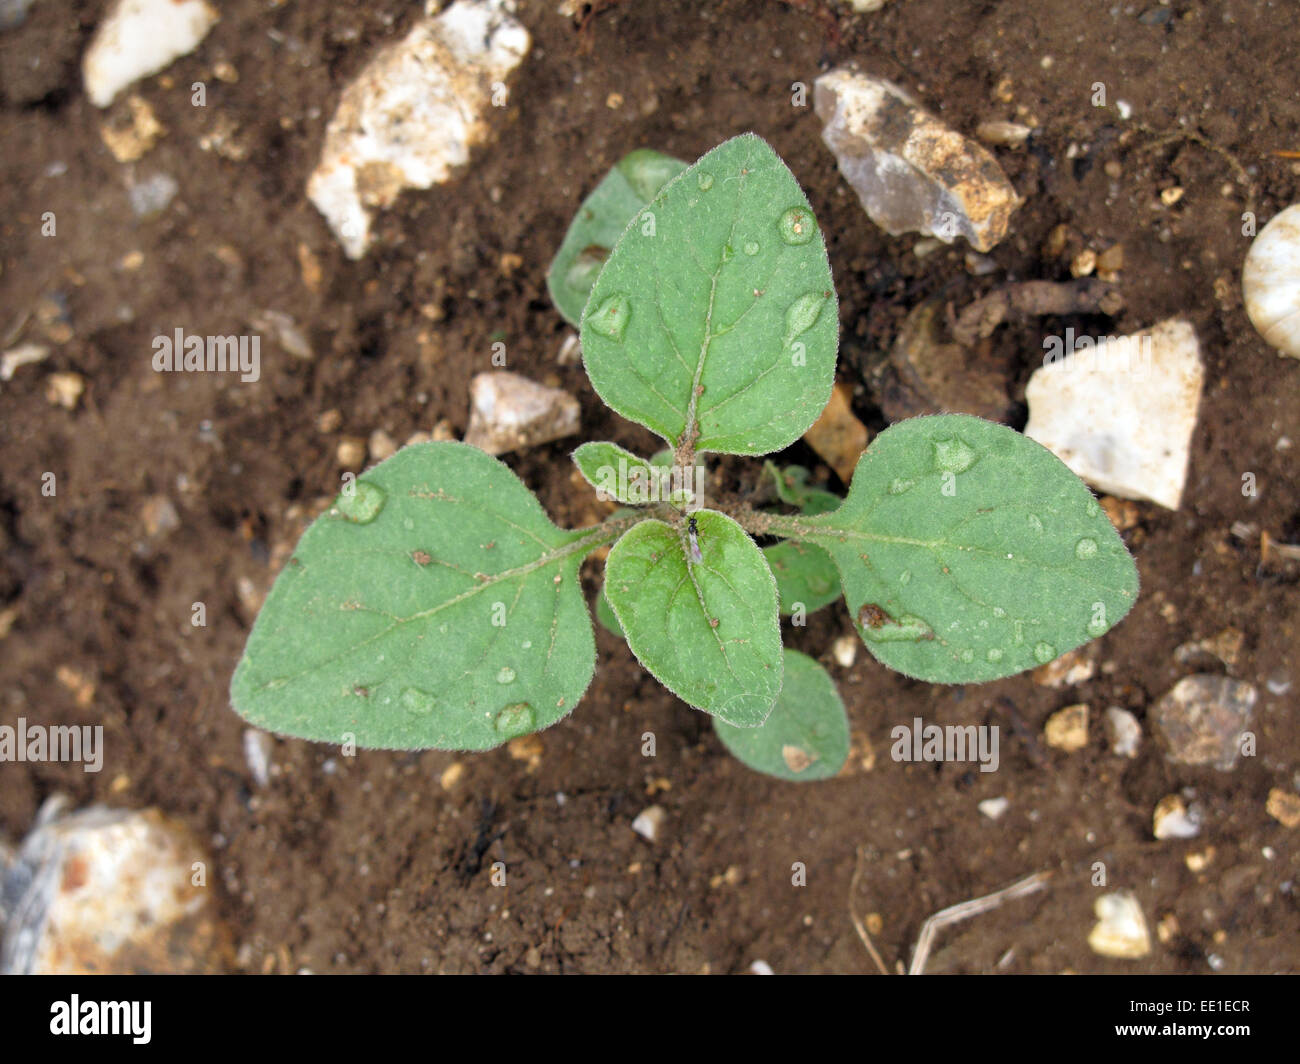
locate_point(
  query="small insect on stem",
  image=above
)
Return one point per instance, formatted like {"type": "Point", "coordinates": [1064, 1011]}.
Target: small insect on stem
{"type": "Point", "coordinates": [693, 531]}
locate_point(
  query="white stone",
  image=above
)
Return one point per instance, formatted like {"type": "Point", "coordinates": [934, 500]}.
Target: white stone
{"type": "Point", "coordinates": [22, 355]}
{"type": "Point", "coordinates": [1121, 413]}
{"type": "Point", "coordinates": [845, 650]}
{"type": "Point", "coordinates": [761, 968]}
{"type": "Point", "coordinates": [1270, 282]}
{"type": "Point", "coordinates": [141, 37]}
{"type": "Point", "coordinates": [1124, 730]}
{"type": "Point", "coordinates": [257, 753]}
{"type": "Point", "coordinates": [109, 891]}
{"type": "Point", "coordinates": [1174, 820]}
{"type": "Point", "coordinates": [649, 822]}
{"type": "Point", "coordinates": [993, 808]}
{"type": "Point", "coordinates": [1121, 929]}
{"type": "Point", "coordinates": [911, 172]}
{"type": "Point", "coordinates": [413, 114]}
{"type": "Point", "coordinates": [508, 412]}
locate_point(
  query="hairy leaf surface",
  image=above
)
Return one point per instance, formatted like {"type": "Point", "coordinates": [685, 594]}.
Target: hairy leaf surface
{"type": "Point", "coordinates": [806, 736]}
{"type": "Point", "coordinates": [438, 606]}
{"type": "Point", "coordinates": [968, 552]}
{"type": "Point", "coordinates": [706, 629]}
{"type": "Point", "coordinates": [716, 314]}
{"type": "Point", "coordinates": [600, 221]}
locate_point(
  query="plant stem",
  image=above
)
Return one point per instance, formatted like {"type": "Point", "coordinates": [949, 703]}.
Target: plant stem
{"type": "Point", "coordinates": [758, 523]}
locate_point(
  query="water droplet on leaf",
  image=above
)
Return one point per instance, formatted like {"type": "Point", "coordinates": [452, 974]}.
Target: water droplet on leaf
{"type": "Point", "coordinates": [706, 180]}
{"type": "Point", "coordinates": [797, 226]}
{"type": "Point", "coordinates": [610, 318]}
{"type": "Point", "coordinates": [517, 719]}
{"type": "Point", "coordinates": [802, 315]}
{"type": "Point", "coordinates": [506, 675]}
{"type": "Point", "coordinates": [751, 247]}
{"type": "Point", "coordinates": [1044, 652]}
{"type": "Point", "coordinates": [954, 455]}
{"type": "Point", "coordinates": [967, 655]}
{"type": "Point", "coordinates": [1085, 549]}
{"type": "Point", "coordinates": [416, 701]}
{"type": "Point", "coordinates": [994, 654]}
{"type": "Point", "coordinates": [362, 504]}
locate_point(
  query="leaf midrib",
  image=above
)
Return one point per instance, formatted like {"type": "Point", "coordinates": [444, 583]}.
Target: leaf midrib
{"type": "Point", "coordinates": [574, 546]}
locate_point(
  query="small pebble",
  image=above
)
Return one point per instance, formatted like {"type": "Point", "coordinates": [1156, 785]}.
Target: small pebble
{"type": "Point", "coordinates": [257, 753]}
{"type": "Point", "coordinates": [351, 452]}
{"type": "Point", "coordinates": [158, 515]}
{"type": "Point", "coordinates": [1174, 820]}
{"type": "Point", "coordinates": [1121, 929]}
{"type": "Point", "coordinates": [381, 446]}
{"type": "Point", "coordinates": [1003, 134]}
{"type": "Point", "coordinates": [1069, 669]}
{"type": "Point", "coordinates": [509, 412]}
{"type": "Point", "coordinates": [993, 808]}
{"type": "Point", "coordinates": [1202, 719]}
{"type": "Point", "coordinates": [1124, 731]}
{"type": "Point", "coordinates": [64, 389]}
{"type": "Point", "coordinates": [649, 822]}
{"type": "Point", "coordinates": [1284, 807]}
{"type": "Point", "coordinates": [845, 650]}
{"type": "Point", "coordinates": [1067, 729]}
{"type": "Point", "coordinates": [22, 355]}
{"type": "Point", "coordinates": [527, 748]}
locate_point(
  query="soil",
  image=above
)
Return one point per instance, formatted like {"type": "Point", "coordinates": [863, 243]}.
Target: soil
{"type": "Point", "coordinates": [366, 863]}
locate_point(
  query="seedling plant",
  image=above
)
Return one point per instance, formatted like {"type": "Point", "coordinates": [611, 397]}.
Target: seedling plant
{"type": "Point", "coordinates": [435, 605]}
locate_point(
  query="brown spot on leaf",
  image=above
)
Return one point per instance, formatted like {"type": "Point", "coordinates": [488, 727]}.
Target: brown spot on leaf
{"type": "Point", "coordinates": [872, 616]}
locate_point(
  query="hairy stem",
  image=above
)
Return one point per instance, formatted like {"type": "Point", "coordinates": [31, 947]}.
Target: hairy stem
{"type": "Point", "coordinates": [758, 523]}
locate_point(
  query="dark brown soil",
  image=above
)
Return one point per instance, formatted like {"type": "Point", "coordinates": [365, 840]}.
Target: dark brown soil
{"type": "Point", "coordinates": [373, 866]}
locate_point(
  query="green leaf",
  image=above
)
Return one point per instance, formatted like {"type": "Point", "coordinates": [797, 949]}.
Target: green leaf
{"type": "Point", "coordinates": [792, 488]}
{"type": "Point", "coordinates": [619, 475]}
{"type": "Point", "coordinates": [805, 576]}
{"type": "Point", "coordinates": [716, 313]}
{"type": "Point", "coordinates": [806, 736]}
{"type": "Point", "coordinates": [707, 629]}
{"type": "Point", "coordinates": [438, 606]}
{"type": "Point", "coordinates": [605, 614]}
{"type": "Point", "coordinates": [968, 552]}
{"type": "Point", "coordinates": [600, 221]}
